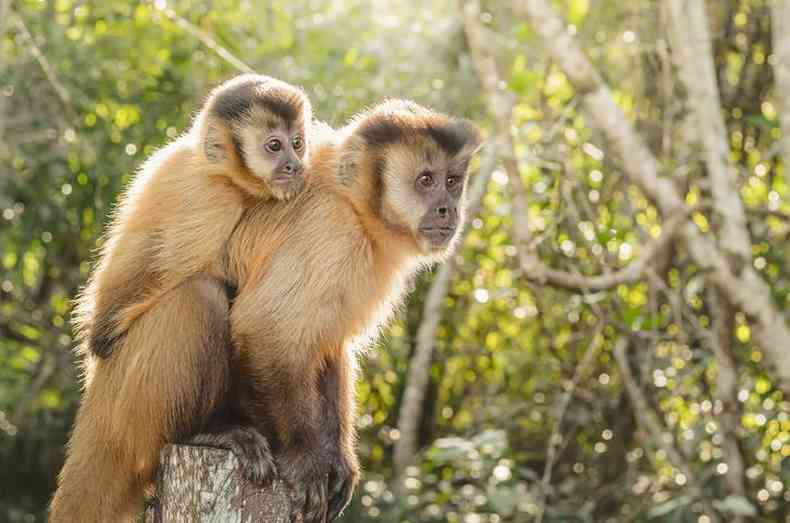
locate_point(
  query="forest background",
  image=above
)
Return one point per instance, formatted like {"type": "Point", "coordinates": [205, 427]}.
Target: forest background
{"type": "Point", "coordinates": [611, 342]}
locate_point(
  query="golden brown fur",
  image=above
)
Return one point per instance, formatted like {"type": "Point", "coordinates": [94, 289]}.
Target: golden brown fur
{"type": "Point", "coordinates": [153, 320]}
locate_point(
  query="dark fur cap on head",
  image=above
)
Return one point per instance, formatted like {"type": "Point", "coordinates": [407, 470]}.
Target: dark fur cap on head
{"type": "Point", "coordinates": [234, 99]}
{"type": "Point", "coordinates": [396, 121]}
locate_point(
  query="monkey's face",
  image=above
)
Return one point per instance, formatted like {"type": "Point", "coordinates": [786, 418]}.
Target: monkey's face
{"type": "Point", "coordinates": [276, 154]}
{"type": "Point", "coordinates": [265, 120]}
{"type": "Point", "coordinates": [415, 161]}
{"type": "Point", "coordinates": [423, 192]}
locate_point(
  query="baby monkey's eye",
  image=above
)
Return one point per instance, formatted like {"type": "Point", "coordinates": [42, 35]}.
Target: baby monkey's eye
{"type": "Point", "coordinates": [453, 180]}
{"type": "Point", "coordinates": [425, 180]}
{"type": "Point", "coordinates": [297, 142]}
{"type": "Point", "coordinates": [274, 145]}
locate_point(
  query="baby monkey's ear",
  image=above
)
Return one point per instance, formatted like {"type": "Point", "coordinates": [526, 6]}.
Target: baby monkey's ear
{"type": "Point", "coordinates": [214, 139]}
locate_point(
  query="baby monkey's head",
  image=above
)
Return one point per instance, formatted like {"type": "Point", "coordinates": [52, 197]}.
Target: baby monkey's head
{"type": "Point", "coordinates": [257, 125]}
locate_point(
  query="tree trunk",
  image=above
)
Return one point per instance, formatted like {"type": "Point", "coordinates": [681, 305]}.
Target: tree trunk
{"type": "Point", "coordinates": [202, 485]}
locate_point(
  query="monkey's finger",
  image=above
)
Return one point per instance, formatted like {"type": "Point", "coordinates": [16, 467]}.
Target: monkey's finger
{"type": "Point", "coordinates": [315, 506]}
{"type": "Point", "coordinates": [339, 498]}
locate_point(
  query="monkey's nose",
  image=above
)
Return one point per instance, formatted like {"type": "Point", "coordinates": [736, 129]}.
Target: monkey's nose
{"type": "Point", "coordinates": [292, 168]}
{"type": "Point", "coordinates": [442, 211]}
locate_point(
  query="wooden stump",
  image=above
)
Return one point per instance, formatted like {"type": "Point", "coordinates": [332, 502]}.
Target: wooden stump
{"type": "Point", "coordinates": [204, 485]}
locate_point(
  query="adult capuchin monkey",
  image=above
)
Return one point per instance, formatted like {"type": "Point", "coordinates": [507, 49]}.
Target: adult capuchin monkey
{"type": "Point", "coordinates": [153, 321]}
{"type": "Point", "coordinates": [326, 268]}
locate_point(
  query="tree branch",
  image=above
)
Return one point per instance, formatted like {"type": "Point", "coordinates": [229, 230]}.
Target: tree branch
{"type": "Point", "coordinates": [500, 108]}
{"type": "Point", "coordinates": [46, 67]}
{"type": "Point", "coordinates": [693, 53]}
{"type": "Point", "coordinates": [633, 272]}
{"type": "Point", "coordinates": [727, 392]}
{"type": "Point", "coordinates": [780, 32]}
{"type": "Point", "coordinates": [204, 37]}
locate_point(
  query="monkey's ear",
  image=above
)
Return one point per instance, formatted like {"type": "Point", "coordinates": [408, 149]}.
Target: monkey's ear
{"type": "Point", "coordinates": [214, 143]}
{"type": "Point", "coordinates": [472, 141]}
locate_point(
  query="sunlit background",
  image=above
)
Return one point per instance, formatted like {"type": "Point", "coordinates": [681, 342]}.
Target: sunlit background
{"type": "Point", "coordinates": [535, 394]}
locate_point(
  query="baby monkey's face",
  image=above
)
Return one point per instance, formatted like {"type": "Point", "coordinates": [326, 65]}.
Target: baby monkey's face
{"type": "Point", "coordinates": [276, 153]}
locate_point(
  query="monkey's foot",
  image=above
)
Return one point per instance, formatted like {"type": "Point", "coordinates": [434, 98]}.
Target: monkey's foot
{"type": "Point", "coordinates": [343, 477]}
{"type": "Point", "coordinates": [249, 446]}
{"type": "Point", "coordinates": [307, 476]}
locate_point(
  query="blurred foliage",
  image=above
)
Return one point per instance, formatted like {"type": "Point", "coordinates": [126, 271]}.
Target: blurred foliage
{"type": "Point", "coordinates": [90, 88]}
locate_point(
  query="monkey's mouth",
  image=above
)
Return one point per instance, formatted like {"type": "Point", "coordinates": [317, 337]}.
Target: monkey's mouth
{"type": "Point", "coordinates": [289, 183]}
{"type": "Point", "coordinates": [437, 236]}
{"type": "Point", "coordinates": [288, 178]}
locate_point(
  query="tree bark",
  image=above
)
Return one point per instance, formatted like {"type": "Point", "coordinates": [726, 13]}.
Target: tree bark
{"type": "Point", "coordinates": [204, 485]}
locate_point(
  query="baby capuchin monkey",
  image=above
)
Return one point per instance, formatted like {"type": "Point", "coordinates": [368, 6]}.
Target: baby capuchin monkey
{"type": "Point", "coordinates": [248, 143]}
{"type": "Point", "coordinates": [317, 274]}
{"type": "Point", "coordinates": [153, 320]}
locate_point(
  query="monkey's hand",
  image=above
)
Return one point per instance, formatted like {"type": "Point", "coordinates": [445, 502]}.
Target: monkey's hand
{"type": "Point", "coordinates": [343, 478]}
{"type": "Point", "coordinates": [307, 475]}
{"type": "Point", "coordinates": [249, 446]}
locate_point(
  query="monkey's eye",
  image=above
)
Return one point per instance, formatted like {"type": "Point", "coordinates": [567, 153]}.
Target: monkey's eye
{"type": "Point", "coordinates": [425, 180]}
{"type": "Point", "coordinates": [452, 181]}
{"type": "Point", "coordinates": [297, 142]}
{"type": "Point", "coordinates": [274, 145]}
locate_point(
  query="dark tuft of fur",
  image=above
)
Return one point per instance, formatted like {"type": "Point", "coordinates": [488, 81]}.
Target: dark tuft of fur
{"type": "Point", "coordinates": [380, 132]}
{"type": "Point", "coordinates": [236, 98]}
{"type": "Point", "coordinates": [452, 136]}
{"type": "Point", "coordinates": [283, 106]}
{"type": "Point", "coordinates": [395, 121]}
{"type": "Point", "coordinates": [101, 340]}
{"type": "Point", "coordinates": [234, 102]}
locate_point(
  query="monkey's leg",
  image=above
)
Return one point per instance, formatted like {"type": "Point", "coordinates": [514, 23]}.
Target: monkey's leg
{"type": "Point", "coordinates": [169, 378]}
{"type": "Point", "coordinates": [336, 385]}
{"type": "Point", "coordinates": [281, 398]}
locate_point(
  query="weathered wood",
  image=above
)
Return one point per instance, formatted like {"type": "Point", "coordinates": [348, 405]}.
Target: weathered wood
{"type": "Point", "coordinates": [205, 485]}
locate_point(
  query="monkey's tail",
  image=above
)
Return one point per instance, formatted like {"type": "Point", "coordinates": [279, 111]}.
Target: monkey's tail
{"type": "Point", "coordinates": [99, 482]}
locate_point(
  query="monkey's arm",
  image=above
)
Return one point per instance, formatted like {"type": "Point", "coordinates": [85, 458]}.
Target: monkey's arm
{"type": "Point", "coordinates": [120, 280]}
